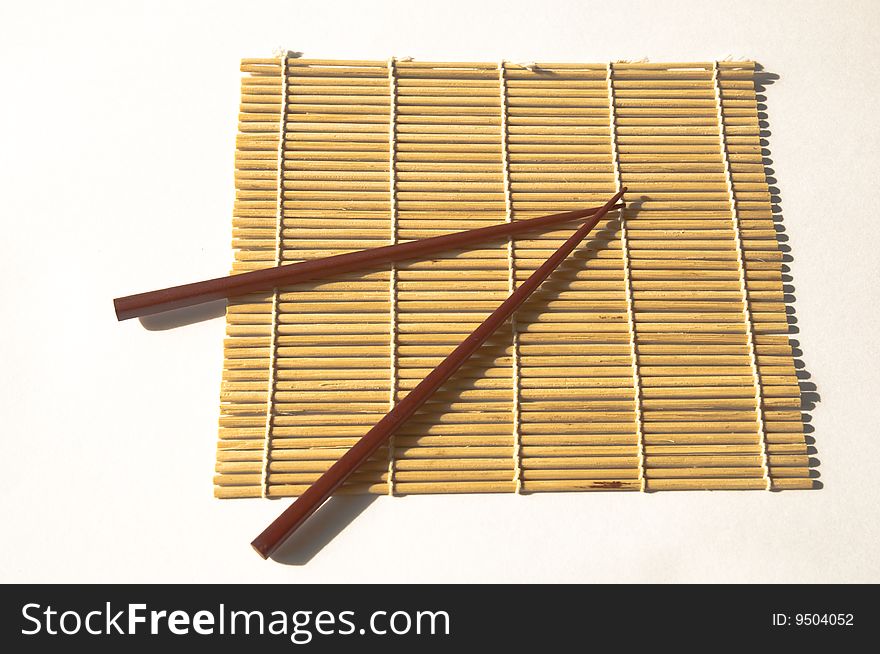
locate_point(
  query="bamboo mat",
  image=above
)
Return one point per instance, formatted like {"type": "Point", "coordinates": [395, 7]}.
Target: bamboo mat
{"type": "Point", "coordinates": [655, 358]}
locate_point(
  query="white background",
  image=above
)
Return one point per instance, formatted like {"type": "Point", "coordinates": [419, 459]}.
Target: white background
{"type": "Point", "coordinates": [118, 123]}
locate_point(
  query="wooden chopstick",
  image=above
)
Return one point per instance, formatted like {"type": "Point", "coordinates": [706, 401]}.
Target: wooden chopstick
{"type": "Point", "coordinates": [176, 297]}
{"type": "Point", "coordinates": [316, 494]}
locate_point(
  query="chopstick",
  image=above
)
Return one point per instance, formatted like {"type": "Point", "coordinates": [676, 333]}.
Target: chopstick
{"type": "Point", "coordinates": [316, 494]}
{"type": "Point", "coordinates": [176, 297]}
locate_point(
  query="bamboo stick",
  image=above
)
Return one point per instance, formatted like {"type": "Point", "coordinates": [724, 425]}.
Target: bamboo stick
{"type": "Point", "coordinates": [234, 461]}
{"type": "Point", "coordinates": [559, 476]}
{"type": "Point", "coordinates": [540, 486]}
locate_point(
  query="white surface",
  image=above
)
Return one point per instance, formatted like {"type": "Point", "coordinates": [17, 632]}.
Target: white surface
{"type": "Point", "coordinates": [116, 176]}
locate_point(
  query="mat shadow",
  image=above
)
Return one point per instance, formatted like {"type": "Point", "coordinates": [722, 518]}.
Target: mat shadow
{"type": "Point", "coordinates": [809, 392]}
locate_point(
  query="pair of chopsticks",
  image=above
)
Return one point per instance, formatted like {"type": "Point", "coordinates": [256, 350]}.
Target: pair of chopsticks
{"type": "Point", "coordinates": [224, 287]}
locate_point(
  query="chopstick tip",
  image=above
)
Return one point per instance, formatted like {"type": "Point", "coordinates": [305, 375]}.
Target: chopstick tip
{"type": "Point", "coordinates": [118, 309]}
{"type": "Point", "coordinates": [259, 550]}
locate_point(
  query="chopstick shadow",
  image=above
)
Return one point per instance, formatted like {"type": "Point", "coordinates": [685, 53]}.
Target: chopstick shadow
{"type": "Point", "coordinates": [809, 392]}
{"type": "Point", "coordinates": [326, 524]}
{"type": "Point", "coordinates": [186, 316]}
{"type": "Point", "coordinates": [468, 376]}
{"type": "Point", "coordinates": [561, 278]}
